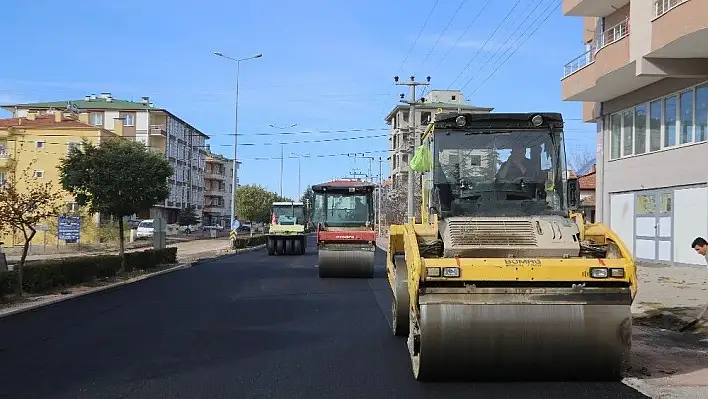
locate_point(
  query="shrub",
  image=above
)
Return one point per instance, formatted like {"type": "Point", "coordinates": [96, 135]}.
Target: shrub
{"type": "Point", "coordinates": [44, 276]}
{"type": "Point", "coordinates": [246, 242]}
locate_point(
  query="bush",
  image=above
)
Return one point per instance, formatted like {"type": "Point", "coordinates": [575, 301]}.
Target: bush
{"type": "Point", "coordinates": [246, 242]}
{"type": "Point", "coordinates": [44, 276]}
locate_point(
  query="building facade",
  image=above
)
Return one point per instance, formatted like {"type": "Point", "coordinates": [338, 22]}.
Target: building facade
{"type": "Point", "coordinates": [36, 144]}
{"type": "Point", "coordinates": [218, 190]}
{"type": "Point", "coordinates": [401, 139]}
{"type": "Point", "coordinates": [159, 130]}
{"type": "Point", "coordinates": [643, 79]}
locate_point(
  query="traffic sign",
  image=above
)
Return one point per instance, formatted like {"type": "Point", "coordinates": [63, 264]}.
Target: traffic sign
{"type": "Point", "coordinates": [235, 224]}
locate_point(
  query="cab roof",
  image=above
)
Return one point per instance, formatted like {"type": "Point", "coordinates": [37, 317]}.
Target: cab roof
{"type": "Point", "coordinates": [498, 120]}
{"type": "Point", "coordinates": [344, 185]}
{"type": "Point", "coordinates": [288, 203]}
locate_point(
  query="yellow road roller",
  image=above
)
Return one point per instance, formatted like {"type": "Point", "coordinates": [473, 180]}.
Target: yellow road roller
{"type": "Point", "coordinates": [501, 277]}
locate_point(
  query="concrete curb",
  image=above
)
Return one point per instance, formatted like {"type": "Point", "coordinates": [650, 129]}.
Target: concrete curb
{"type": "Point", "coordinates": [95, 290]}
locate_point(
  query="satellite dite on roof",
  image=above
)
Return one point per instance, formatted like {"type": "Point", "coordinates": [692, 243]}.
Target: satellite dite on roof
{"type": "Point", "coordinates": [72, 108]}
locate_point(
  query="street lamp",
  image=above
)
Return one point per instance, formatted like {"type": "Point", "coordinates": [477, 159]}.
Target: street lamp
{"type": "Point", "coordinates": [281, 153]}
{"type": "Point", "coordinates": [234, 182]}
{"type": "Point", "coordinates": [299, 158]}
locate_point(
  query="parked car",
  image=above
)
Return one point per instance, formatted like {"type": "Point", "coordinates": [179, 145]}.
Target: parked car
{"type": "Point", "coordinates": [145, 229]}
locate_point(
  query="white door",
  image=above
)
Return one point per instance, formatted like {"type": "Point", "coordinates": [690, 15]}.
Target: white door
{"type": "Point", "coordinates": [653, 227]}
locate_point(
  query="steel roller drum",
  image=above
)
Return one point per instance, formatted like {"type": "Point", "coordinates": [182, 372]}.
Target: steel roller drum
{"type": "Point", "coordinates": [346, 261]}
{"type": "Point", "coordinates": [559, 341]}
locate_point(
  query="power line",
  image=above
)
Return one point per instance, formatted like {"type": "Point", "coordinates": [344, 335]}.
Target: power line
{"type": "Point", "coordinates": [400, 69]}
{"type": "Point", "coordinates": [485, 43]}
{"type": "Point", "coordinates": [526, 38]}
{"type": "Point", "coordinates": [440, 61]}
{"type": "Point", "coordinates": [502, 45]}
{"type": "Point", "coordinates": [444, 30]}
{"type": "Point", "coordinates": [500, 54]}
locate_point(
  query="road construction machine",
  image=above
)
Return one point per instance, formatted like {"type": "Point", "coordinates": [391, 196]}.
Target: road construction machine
{"type": "Point", "coordinates": [500, 276]}
{"type": "Point", "coordinates": [286, 233]}
{"type": "Point", "coordinates": [344, 219]}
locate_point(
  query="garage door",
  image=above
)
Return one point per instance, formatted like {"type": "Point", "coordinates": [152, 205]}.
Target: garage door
{"type": "Point", "coordinates": [653, 225]}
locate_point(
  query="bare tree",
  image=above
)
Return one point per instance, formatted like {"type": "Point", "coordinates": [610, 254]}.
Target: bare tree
{"type": "Point", "coordinates": [24, 203]}
{"type": "Point", "coordinates": [578, 159]}
{"type": "Point", "coordinates": [393, 203]}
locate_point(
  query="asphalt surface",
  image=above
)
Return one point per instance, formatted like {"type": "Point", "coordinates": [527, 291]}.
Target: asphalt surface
{"type": "Point", "coordinates": [246, 326]}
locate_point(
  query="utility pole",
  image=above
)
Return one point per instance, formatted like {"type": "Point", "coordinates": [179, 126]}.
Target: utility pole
{"type": "Point", "coordinates": [281, 154]}
{"type": "Point", "coordinates": [378, 197]}
{"type": "Point", "coordinates": [299, 159]}
{"type": "Point", "coordinates": [410, 214]}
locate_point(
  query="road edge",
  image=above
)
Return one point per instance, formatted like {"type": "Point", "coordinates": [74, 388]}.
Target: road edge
{"type": "Point", "coordinates": [180, 266]}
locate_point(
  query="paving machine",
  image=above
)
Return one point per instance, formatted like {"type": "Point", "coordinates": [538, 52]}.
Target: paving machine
{"type": "Point", "coordinates": [286, 233]}
{"type": "Point", "coordinates": [500, 277]}
{"type": "Point", "coordinates": [346, 240]}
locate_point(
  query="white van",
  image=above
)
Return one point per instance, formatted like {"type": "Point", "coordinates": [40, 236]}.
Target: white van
{"type": "Point", "coordinates": [145, 229]}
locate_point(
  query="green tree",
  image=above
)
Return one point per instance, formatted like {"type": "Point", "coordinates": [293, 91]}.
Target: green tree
{"type": "Point", "coordinates": [24, 203]}
{"type": "Point", "coordinates": [188, 216]}
{"type": "Point", "coordinates": [308, 198]}
{"type": "Point", "coordinates": [253, 202]}
{"type": "Point", "coordinates": [118, 177]}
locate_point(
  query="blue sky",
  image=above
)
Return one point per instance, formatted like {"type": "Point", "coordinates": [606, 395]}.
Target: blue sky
{"type": "Point", "coordinates": [327, 65]}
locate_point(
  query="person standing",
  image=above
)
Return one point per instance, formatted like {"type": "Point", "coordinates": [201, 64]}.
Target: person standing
{"type": "Point", "coordinates": [701, 246]}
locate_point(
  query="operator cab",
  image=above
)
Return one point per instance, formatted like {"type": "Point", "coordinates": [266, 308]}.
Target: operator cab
{"type": "Point", "coordinates": [288, 213]}
{"type": "Point", "coordinates": [343, 203]}
{"type": "Point", "coordinates": [498, 164]}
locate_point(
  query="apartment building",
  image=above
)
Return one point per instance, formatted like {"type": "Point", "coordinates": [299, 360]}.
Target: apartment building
{"type": "Point", "coordinates": [218, 190]}
{"type": "Point", "coordinates": [158, 129]}
{"type": "Point", "coordinates": [401, 139]}
{"type": "Point", "coordinates": [36, 143]}
{"type": "Point", "coordinates": [643, 79]}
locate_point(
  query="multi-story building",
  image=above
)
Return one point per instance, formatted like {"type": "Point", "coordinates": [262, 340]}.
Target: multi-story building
{"type": "Point", "coordinates": [218, 190]}
{"type": "Point", "coordinates": [401, 139]}
{"type": "Point", "coordinates": [159, 130]}
{"type": "Point", "coordinates": [643, 79]}
{"type": "Point", "coordinates": [36, 144]}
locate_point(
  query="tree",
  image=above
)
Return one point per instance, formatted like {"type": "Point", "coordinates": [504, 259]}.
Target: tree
{"type": "Point", "coordinates": [394, 203]}
{"type": "Point", "coordinates": [308, 199]}
{"type": "Point", "coordinates": [118, 177]}
{"type": "Point", "coordinates": [188, 216]}
{"type": "Point", "coordinates": [24, 203]}
{"type": "Point", "coordinates": [253, 202]}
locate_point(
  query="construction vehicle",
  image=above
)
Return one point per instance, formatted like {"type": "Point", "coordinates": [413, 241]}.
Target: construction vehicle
{"type": "Point", "coordinates": [346, 240]}
{"type": "Point", "coordinates": [286, 233]}
{"type": "Point", "coordinates": [500, 277]}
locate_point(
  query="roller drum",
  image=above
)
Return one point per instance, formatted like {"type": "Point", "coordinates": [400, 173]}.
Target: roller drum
{"type": "Point", "coordinates": [400, 305]}
{"type": "Point", "coordinates": [346, 261]}
{"type": "Point", "coordinates": [519, 341]}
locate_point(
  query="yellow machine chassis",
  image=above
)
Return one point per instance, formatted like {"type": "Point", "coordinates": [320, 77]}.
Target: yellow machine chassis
{"type": "Point", "coordinates": [467, 326]}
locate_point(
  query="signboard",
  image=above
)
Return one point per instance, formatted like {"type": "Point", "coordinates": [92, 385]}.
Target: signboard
{"type": "Point", "coordinates": [69, 228]}
{"type": "Point", "coordinates": [235, 224]}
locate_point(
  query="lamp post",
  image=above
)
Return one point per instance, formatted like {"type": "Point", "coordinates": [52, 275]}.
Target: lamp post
{"type": "Point", "coordinates": [281, 153]}
{"type": "Point", "coordinates": [234, 183]}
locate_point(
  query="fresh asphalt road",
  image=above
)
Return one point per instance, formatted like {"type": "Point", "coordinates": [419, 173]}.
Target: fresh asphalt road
{"type": "Point", "coordinates": [246, 326]}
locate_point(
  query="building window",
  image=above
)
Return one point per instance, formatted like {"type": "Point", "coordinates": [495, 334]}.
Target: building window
{"type": "Point", "coordinates": [701, 113]}
{"type": "Point", "coordinates": [640, 129]}
{"type": "Point", "coordinates": [453, 98]}
{"type": "Point", "coordinates": [96, 118]}
{"type": "Point", "coordinates": [655, 126]}
{"type": "Point", "coordinates": [675, 120]}
{"type": "Point", "coordinates": [686, 135]}
{"type": "Point", "coordinates": [39, 144]}
{"type": "Point", "coordinates": [616, 132]}
{"type": "Point", "coordinates": [2, 178]}
{"type": "Point", "coordinates": [129, 119]}
{"type": "Point", "coordinates": [670, 109]}
{"type": "Point", "coordinates": [38, 174]}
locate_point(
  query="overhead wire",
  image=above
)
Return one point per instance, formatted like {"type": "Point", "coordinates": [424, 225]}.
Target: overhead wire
{"type": "Point", "coordinates": [454, 14]}
{"type": "Point", "coordinates": [425, 23]}
{"type": "Point", "coordinates": [485, 43]}
{"type": "Point", "coordinates": [525, 37]}
{"type": "Point", "coordinates": [503, 45]}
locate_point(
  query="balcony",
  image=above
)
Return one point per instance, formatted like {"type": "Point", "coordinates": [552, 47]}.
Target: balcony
{"type": "Point", "coordinates": [592, 8]}
{"type": "Point", "coordinates": [679, 29]}
{"type": "Point", "coordinates": [158, 130]}
{"type": "Point", "coordinates": [605, 71]}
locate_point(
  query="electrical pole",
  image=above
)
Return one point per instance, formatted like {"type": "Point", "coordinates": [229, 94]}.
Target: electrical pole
{"type": "Point", "coordinates": [410, 213]}
{"type": "Point", "coordinates": [299, 159]}
{"type": "Point", "coordinates": [281, 170]}
{"type": "Point", "coordinates": [378, 197]}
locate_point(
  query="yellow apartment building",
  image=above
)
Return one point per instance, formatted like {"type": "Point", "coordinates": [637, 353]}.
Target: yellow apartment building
{"type": "Point", "coordinates": [38, 142]}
